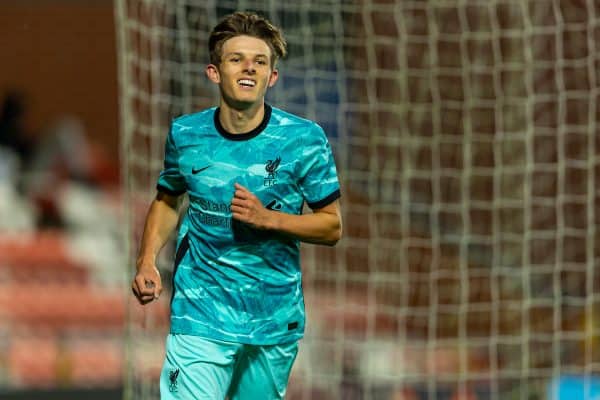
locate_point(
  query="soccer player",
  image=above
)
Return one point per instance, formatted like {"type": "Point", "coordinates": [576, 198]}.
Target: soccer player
{"type": "Point", "coordinates": [237, 311]}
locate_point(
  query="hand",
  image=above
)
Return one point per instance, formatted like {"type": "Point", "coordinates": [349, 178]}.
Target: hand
{"type": "Point", "coordinates": [147, 284]}
{"type": "Point", "coordinates": [247, 208]}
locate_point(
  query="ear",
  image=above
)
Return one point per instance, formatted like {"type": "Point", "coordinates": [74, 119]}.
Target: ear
{"type": "Point", "coordinates": [273, 77]}
{"type": "Point", "coordinates": [212, 72]}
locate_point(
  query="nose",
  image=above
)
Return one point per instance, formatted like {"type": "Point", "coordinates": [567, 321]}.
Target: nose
{"type": "Point", "coordinates": [249, 66]}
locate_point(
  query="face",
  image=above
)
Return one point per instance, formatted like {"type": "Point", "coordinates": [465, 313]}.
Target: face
{"type": "Point", "coordinates": [245, 71]}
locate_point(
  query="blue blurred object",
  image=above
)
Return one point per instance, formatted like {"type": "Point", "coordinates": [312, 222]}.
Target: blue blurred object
{"type": "Point", "coordinates": [574, 388]}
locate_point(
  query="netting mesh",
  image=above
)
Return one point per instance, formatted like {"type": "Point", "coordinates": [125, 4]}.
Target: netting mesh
{"type": "Point", "coordinates": [466, 138]}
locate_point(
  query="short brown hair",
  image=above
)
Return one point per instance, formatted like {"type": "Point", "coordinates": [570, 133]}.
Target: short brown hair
{"type": "Point", "coordinates": [250, 24]}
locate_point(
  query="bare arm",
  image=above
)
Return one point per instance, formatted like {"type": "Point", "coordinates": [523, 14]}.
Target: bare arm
{"type": "Point", "coordinates": [323, 226]}
{"type": "Point", "coordinates": [160, 222]}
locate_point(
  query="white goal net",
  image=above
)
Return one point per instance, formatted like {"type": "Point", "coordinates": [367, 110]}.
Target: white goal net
{"type": "Point", "coordinates": [467, 141]}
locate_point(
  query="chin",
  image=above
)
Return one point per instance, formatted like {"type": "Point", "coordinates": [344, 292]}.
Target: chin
{"type": "Point", "coordinates": [241, 104]}
{"type": "Point", "coordinates": [242, 101]}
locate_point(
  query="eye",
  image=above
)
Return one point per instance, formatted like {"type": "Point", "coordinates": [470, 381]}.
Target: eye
{"type": "Point", "coordinates": [261, 62]}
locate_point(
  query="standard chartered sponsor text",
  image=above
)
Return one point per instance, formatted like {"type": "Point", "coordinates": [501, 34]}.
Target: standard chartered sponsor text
{"type": "Point", "coordinates": [208, 213]}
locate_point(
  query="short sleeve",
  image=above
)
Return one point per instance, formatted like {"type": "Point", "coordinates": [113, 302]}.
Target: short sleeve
{"type": "Point", "coordinates": [318, 176]}
{"type": "Point", "coordinates": [171, 181]}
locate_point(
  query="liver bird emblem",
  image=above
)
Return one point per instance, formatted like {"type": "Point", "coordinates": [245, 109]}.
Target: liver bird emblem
{"type": "Point", "coordinates": [272, 165]}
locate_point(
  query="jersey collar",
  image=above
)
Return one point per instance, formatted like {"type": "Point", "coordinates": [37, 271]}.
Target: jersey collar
{"type": "Point", "coordinates": [246, 135]}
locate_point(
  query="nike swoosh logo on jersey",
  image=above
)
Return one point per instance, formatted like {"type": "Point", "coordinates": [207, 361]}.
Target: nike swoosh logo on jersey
{"type": "Point", "coordinates": [196, 171]}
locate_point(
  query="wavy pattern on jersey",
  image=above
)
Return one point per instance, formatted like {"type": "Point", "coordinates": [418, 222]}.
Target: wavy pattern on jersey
{"type": "Point", "coordinates": [234, 282]}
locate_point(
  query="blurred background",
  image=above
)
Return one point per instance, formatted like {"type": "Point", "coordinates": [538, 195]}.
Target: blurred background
{"type": "Point", "coordinates": [62, 262]}
{"type": "Point", "coordinates": [467, 141]}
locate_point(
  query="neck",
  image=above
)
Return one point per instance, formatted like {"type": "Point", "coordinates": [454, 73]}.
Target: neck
{"type": "Point", "coordinates": [241, 121]}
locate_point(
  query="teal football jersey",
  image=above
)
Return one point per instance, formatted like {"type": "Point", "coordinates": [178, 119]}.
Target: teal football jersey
{"type": "Point", "coordinates": [232, 282]}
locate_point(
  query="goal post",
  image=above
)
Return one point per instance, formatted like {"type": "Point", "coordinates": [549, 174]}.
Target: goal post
{"type": "Point", "coordinates": [467, 143]}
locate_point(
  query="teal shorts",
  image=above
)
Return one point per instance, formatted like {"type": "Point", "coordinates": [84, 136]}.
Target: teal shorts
{"type": "Point", "coordinates": [197, 368]}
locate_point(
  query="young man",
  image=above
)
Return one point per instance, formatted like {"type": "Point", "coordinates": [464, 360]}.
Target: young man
{"type": "Point", "coordinates": [237, 310]}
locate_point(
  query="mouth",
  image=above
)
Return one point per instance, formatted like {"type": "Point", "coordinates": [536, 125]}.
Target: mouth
{"type": "Point", "coordinates": [249, 83]}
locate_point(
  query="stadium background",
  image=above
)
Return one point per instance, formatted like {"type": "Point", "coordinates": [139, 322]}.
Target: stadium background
{"type": "Point", "coordinates": [467, 142]}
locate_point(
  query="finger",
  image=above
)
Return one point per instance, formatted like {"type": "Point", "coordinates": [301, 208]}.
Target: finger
{"type": "Point", "coordinates": [240, 211]}
{"type": "Point", "coordinates": [135, 288]}
{"type": "Point", "coordinates": [241, 195]}
{"type": "Point", "coordinates": [236, 214]}
{"type": "Point", "coordinates": [237, 202]}
{"type": "Point", "coordinates": [157, 290]}
{"type": "Point", "coordinates": [144, 285]}
{"type": "Point", "coordinates": [142, 299]}
{"type": "Point", "coordinates": [239, 216]}
{"type": "Point", "coordinates": [141, 286]}
{"type": "Point", "coordinates": [135, 292]}
{"type": "Point", "coordinates": [237, 210]}
{"type": "Point", "coordinates": [145, 300]}
{"type": "Point", "coordinates": [242, 192]}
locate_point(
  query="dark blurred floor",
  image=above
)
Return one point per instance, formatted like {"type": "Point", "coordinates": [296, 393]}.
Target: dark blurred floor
{"type": "Point", "coordinates": [88, 394]}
